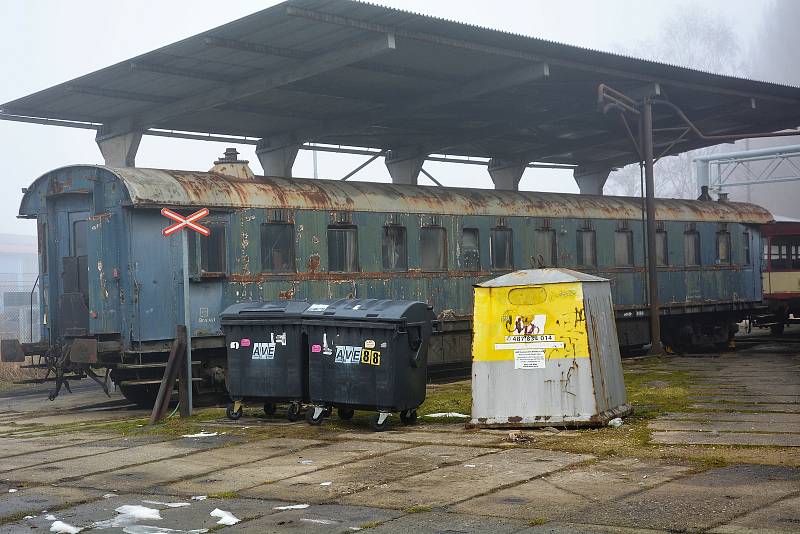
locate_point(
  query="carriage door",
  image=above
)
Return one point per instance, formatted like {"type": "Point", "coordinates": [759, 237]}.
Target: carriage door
{"type": "Point", "coordinates": [73, 301]}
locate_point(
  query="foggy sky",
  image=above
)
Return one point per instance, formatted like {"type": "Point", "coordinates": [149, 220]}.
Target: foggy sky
{"type": "Point", "coordinates": [45, 42]}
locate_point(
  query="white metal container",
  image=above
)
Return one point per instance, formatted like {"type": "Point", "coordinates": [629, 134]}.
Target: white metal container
{"type": "Point", "coordinates": [545, 351]}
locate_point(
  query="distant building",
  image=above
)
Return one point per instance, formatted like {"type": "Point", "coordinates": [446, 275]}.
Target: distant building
{"type": "Point", "coordinates": [19, 266]}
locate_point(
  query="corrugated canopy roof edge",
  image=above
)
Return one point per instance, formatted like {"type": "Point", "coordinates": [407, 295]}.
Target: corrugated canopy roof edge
{"type": "Point", "coordinates": [535, 277]}
{"type": "Point", "coordinates": [353, 74]}
{"type": "Point", "coordinates": [158, 187]}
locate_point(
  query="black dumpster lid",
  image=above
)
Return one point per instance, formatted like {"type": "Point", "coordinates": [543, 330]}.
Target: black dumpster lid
{"type": "Point", "coordinates": [265, 309]}
{"type": "Point", "coordinates": [371, 310]}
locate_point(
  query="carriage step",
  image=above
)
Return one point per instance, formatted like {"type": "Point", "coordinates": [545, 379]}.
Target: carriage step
{"type": "Point", "coordinates": [155, 365]}
{"type": "Point", "coordinates": [50, 379]}
{"type": "Point", "coordinates": [149, 382]}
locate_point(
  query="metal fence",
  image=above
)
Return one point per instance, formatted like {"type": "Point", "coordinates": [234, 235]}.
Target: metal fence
{"type": "Point", "coordinates": [18, 319]}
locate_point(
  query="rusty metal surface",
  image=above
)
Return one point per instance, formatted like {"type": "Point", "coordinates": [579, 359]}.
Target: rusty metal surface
{"type": "Point", "coordinates": [155, 187]}
{"type": "Point", "coordinates": [83, 350]}
{"type": "Point", "coordinates": [11, 351]}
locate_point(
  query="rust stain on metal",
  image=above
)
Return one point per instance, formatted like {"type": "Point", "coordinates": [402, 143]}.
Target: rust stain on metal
{"type": "Point", "coordinates": [313, 263]}
{"type": "Point", "coordinates": [286, 295]}
{"type": "Point", "coordinates": [163, 187]}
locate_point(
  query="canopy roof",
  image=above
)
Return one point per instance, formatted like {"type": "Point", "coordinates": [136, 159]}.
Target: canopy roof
{"type": "Point", "coordinates": [239, 188]}
{"type": "Point", "coordinates": [360, 75]}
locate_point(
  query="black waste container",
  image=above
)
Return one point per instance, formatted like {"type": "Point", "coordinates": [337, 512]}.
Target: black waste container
{"type": "Point", "coordinates": [367, 354]}
{"type": "Point", "coordinates": [267, 356]}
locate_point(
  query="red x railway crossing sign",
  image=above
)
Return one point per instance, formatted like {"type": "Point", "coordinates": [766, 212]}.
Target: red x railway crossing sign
{"type": "Point", "coordinates": [185, 222]}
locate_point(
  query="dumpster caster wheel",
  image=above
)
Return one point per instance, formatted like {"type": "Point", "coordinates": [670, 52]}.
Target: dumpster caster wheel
{"type": "Point", "coordinates": [315, 415]}
{"type": "Point", "coordinates": [380, 421]}
{"type": "Point", "coordinates": [345, 414]}
{"type": "Point", "coordinates": [408, 417]}
{"type": "Point", "coordinates": [327, 411]}
{"type": "Point", "coordinates": [293, 413]}
{"type": "Point", "coordinates": [269, 408]}
{"type": "Point", "coordinates": [234, 411]}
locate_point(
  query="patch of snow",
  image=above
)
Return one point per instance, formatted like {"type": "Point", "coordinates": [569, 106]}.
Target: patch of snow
{"type": "Point", "coordinates": [319, 521]}
{"type": "Point", "coordinates": [293, 507]}
{"type": "Point", "coordinates": [109, 495]}
{"type": "Point", "coordinates": [447, 414]}
{"type": "Point", "coordinates": [50, 517]}
{"type": "Point", "coordinates": [29, 517]}
{"type": "Point", "coordinates": [168, 504]}
{"type": "Point", "coordinates": [200, 435]}
{"type": "Point", "coordinates": [60, 527]}
{"type": "Point", "coordinates": [469, 465]}
{"type": "Point", "coordinates": [200, 497]}
{"type": "Point", "coordinates": [616, 422]}
{"type": "Point", "coordinates": [325, 483]}
{"type": "Point", "coordinates": [225, 518]}
{"type": "Point", "coordinates": [306, 462]}
{"type": "Point", "coordinates": [128, 515]}
{"type": "Point", "coordinates": [13, 490]}
{"type": "Point", "coordinates": [147, 529]}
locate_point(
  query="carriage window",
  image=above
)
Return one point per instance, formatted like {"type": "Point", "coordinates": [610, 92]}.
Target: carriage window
{"type": "Point", "coordinates": [470, 249]}
{"type": "Point", "coordinates": [723, 247]}
{"type": "Point", "coordinates": [342, 249]}
{"type": "Point", "coordinates": [501, 249]}
{"type": "Point", "coordinates": [395, 248]}
{"type": "Point", "coordinates": [213, 250]}
{"type": "Point", "coordinates": [433, 248]}
{"type": "Point", "coordinates": [746, 248]}
{"type": "Point", "coordinates": [587, 250]}
{"type": "Point", "coordinates": [79, 237]}
{"type": "Point", "coordinates": [623, 248]}
{"type": "Point", "coordinates": [662, 248]}
{"type": "Point", "coordinates": [784, 254]}
{"type": "Point", "coordinates": [277, 247]}
{"type": "Point", "coordinates": [43, 247]}
{"type": "Point", "coordinates": [691, 247]}
{"type": "Point", "coordinates": [544, 246]}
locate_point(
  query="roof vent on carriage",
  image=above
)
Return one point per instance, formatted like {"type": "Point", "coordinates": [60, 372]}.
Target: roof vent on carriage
{"type": "Point", "coordinates": [230, 165]}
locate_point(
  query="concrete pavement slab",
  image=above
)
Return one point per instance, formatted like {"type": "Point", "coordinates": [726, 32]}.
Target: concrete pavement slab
{"type": "Point", "coordinates": [726, 438]}
{"type": "Point", "coordinates": [727, 407]}
{"type": "Point", "coordinates": [316, 518]}
{"type": "Point", "coordinates": [724, 426]}
{"type": "Point", "coordinates": [576, 528]}
{"type": "Point", "coordinates": [782, 516]}
{"type": "Point", "coordinates": [78, 468]}
{"type": "Point", "coordinates": [35, 499]}
{"type": "Point", "coordinates": [36, 457]}
{"type": "Point", "coordinates": [160, 472]}
{"type": "Point", "coordinates": [734, 416]}
{"type": "Point", "coordinates": [750, 399]}
{"type": "Point", "coordinates": [453, 484]}
{"type": "Point", "coordinates": [700, 501]}
{"type": "Point", "coordinates": [264, 473]}
{"type": "Point", "coordinates": [430, 438]}
{"type": "Point", "coordinates": [329, 484]}
{"type": "Point", "coordinates": [557, 495]}
{"type": "Point", "coordinates": [444, 522]}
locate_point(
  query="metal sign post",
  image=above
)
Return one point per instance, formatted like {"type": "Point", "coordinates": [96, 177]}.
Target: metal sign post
{"type": "Point", "coordinates": [187, 319]}
{"type": "Point", "coordinates": [180, 223]}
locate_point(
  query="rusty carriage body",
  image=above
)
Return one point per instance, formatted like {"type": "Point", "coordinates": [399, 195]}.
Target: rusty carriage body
{"type": "Point", "coordinates": [112, 285]}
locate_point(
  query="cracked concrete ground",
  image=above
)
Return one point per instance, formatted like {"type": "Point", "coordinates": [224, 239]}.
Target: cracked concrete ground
{"type": "Point", "coordinates": [68, 461]}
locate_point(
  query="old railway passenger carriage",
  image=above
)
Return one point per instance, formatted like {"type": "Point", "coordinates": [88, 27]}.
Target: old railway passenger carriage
{"type": "Point", "coordinates": [110, 280]}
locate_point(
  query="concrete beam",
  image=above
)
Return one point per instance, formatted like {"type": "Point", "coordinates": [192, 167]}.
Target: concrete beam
{"type": "Point", "coordinates": [506, 174]}
{"type": "Point", "coordinates": [277, 156]}
{"type": "Point", "coordinates": [591, 182]}
{"type": "Point", "coordinates": [119, 150]}
{"type": "Point", "coordinates": [405, 164]}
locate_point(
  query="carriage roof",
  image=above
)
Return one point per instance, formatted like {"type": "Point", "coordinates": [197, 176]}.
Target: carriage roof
{"type": "Point", "coordinates": [153, 188]}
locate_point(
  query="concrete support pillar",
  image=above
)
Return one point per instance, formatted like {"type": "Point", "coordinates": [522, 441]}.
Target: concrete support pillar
{"type": "Point", "coordinates": [277, 156]}
{"type": "Point", "coordinates": [119, 150]}
{"type": "Point", "coordinates": [591, 182]}
{"type": "Point", "coordinates": [506, 174]}
{"type": "Point", "coordinates": [404, 165]}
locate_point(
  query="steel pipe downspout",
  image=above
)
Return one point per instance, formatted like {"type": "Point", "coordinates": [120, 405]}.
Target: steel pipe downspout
{"type": "Point", "coordinates": [650, 208]}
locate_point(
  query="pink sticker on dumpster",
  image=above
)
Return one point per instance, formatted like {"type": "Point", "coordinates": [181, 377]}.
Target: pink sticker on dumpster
{"type": "Point", "coordinates": [245, 343]}
{"type": "Point", "coordinates": [316, 348]}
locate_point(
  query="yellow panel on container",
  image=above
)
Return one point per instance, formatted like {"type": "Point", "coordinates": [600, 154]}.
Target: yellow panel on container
{"type": "Point", "coordinates": [530, 324]}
